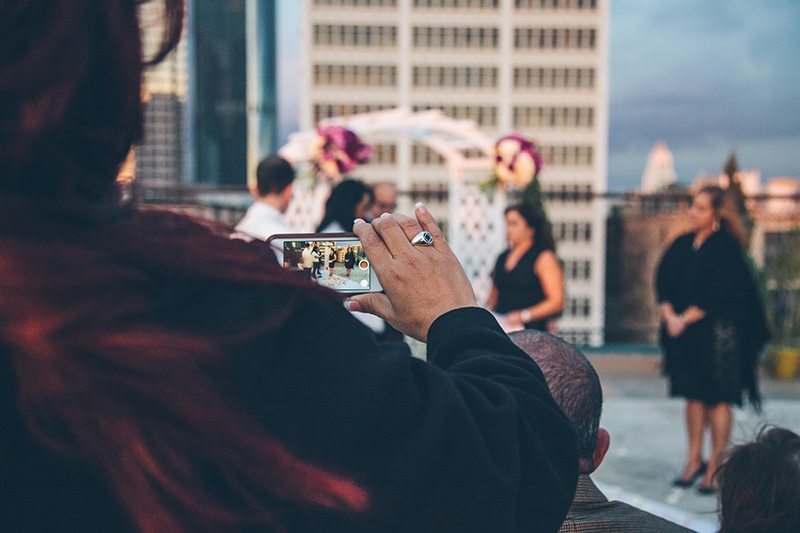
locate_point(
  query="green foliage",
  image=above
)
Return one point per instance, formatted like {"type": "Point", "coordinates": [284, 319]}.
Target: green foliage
{"type": "Point", "coordinates": [783, 273]}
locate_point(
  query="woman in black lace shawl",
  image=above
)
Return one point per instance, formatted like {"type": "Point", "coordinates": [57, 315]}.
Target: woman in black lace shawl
{"type": "Point", "coordinates": [713, 327]}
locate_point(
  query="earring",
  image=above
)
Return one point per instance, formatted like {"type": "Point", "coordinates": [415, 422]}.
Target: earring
{"type": "Point", "coordinates": [715, 225]}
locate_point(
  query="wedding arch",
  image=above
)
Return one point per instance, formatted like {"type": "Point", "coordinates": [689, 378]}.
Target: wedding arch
{"type": "Point", "coordinates": [474, 218]}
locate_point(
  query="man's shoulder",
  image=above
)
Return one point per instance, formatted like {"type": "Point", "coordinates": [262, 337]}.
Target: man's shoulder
{"type": "Point", "coordinates": [262, 221]}
{"type": "Point", "coordinates": [616, 516]}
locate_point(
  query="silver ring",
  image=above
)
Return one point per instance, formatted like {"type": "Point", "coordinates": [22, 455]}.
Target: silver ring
{"type": "Point", "coordinates": [423, 238]}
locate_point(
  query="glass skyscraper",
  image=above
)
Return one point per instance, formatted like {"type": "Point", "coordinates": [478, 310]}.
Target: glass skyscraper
{"type": "Point", "coordinates": [220, 99]}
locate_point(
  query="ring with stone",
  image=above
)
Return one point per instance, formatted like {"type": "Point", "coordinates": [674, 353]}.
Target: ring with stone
{"type": "Point", "coordinates": [423, 238]}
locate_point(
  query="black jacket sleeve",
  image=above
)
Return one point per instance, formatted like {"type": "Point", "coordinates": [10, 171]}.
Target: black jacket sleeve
{"type": "Point", "coordinates": [469, 441]}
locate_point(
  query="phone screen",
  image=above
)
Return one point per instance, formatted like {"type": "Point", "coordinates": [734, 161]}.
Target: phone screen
{"type": "Point", "coordinates": [339, 264]}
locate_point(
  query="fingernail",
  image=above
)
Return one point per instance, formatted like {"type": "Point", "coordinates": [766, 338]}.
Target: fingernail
{"type": "Point", "coordinates": [351, 305]}
{"type": "Point", "coordinates": [420, 206]}
{"type": "Point", "coordinates": [359, 221]}
{"type": "Point", "coordinates": [385, 215]}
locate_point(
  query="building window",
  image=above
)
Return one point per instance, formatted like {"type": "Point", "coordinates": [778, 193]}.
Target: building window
{"type": "Point", "coordinates": [450, 37]}
{"type": "Point", "coordinates": [555, 38]}
{"type": "Point", "coordinates": [357, 3]}
{"type": "Point", "coordinates": [323, 111]}
{"type": "Point", "coordinates": [556, 5]}
{"type": "Point", "coordinates": [355, 75]}
{"type": "Point", "coordinates": [355, 35]}
{"type": "Point", "coordinates": [448, 77]}
{"type": "Point", "coordinates": [483, 115]}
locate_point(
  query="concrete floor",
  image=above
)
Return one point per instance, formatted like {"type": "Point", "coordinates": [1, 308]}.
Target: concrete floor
{"type": "Point", "coordinates": [648, 439]}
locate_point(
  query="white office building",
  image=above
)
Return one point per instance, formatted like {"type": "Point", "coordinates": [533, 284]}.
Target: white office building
{"type": "Point", "coordinates": [539, 67]}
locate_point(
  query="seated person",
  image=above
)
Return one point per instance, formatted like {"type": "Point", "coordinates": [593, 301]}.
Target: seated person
{"type": "Point", "coordinates": [759, 485]}
{"type": "Point", "coordinates": [575, 387]}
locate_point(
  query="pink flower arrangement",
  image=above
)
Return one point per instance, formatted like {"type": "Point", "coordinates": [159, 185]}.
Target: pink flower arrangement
{"type": "Point", "coordinates": [337, 151]}
{"type": "Point", "coordinates": [516, 161]}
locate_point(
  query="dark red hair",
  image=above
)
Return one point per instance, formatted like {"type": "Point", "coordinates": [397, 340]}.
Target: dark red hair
{"type": "Point", "coordinates": [105, 369]}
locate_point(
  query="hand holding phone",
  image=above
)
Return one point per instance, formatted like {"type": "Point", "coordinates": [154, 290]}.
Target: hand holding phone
{"type": "Point", "coordinates": [334, 260]}
{"type": "Point", "coordinates": [421, 282]}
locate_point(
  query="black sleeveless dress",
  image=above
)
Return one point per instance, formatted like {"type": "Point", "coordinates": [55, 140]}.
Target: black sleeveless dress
{"type": "Point", "coordinates": [519, 287]}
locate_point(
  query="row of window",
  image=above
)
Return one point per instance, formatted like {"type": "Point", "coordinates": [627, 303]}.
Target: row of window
{"type": "Point", "coordinates": [357, 3]}
{"type": "Point", "coordinates": [555, 38]}
{"type": "Point", "coordinates": [578, 269]}
{"type": "Point", "coordinates": [569, 192]}
{"type": "Point", "coordinates": [441, 76]}
{"type": "Point", "coordinates": [455, 77]}
{"type": "Point", "coordinates": [323, 111]}
{"type": "Point", "coordinates": [383, 154]}
{"type": "Point", "coordinates": [554, 77]}
{"type": "Point", "coordinates": [553, 117]}
{"type": "Point", "coordinates": [472, 4]}
{"type": "Point", "coordinates": [483, 115]}
{"type": "Point", "coordinates": [556, 4]}
{"type": "Point", "coordinates": [356, 75]}
{"type": "Point", "coordinates": [552, 155]}
{"type": "Point", "coordinates": [577, 156]}
{"type": "Point", "coordinates": [455, 37]}
{"type": "Point", "coordinates": [580, 307]}
{"type": "Point", "coordinates": [355, 35]}
{"type": "Point", "coordinates": [572, 231]}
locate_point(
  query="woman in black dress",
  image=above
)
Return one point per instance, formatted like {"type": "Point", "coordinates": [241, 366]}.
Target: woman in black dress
{"type": "Point", "coordinates": [331, 262]}
{"type": "Point", "coordinates": [349, 261]}
{"type": "Point", "coordinates": [528, 282]}
{"type": "Point", "coordinates": [713, 327]}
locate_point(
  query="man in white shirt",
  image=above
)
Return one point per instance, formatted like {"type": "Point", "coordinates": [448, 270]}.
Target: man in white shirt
{"type": "Point", "coordinates": [273, 192]}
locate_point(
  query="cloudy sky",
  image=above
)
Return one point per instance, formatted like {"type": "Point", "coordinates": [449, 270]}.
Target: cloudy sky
{"type": "Point", "coordinates": [705, 76]}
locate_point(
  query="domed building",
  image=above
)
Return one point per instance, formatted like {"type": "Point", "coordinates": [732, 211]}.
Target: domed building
{"type": "Point", "coordinates": [659, 173]}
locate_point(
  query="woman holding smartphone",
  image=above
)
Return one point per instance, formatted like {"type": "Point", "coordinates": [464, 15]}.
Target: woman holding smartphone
{"type": "Point", "coordinates": [154, 374]}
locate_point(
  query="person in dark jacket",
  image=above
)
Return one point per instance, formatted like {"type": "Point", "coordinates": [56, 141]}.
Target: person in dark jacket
{"type": "Point", "coordinates": [713, 327]}
{"type": "Point", "coordinates": [155, 375]}
{"type": "Point", "coordinates": [576, 389]}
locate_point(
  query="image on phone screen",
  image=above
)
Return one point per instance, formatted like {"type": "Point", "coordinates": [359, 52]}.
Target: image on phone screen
{"type": "Point", "coordinates": [337, 264]}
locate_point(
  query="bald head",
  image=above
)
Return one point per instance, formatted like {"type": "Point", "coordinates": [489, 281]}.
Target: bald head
{"type": "Point", "coordinates": [385, 198]}
{"type": "Point", "coordinates": [574, 385]}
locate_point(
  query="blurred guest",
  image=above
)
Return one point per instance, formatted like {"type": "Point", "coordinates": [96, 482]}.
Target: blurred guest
{"type": "Point", "coordinates": [385, 198]}
{"type": "Point", "coordinates": [308, 259]}
{"type": "Point", "coordinates": [759, 485]}
{"type": "Point", "coordinates": [273, 193]}
{"type": "Point", "coordinates": [528, 287]}
{"type": "Point", "coordinates": [713, 328]}
{"type": "Point", "coordinates": [331, 261]}
{"type": "Point", "coordinates": [349, 261]}
{"type": "Point", "coordinates": [316, 257]}
{"type": "Point", "coordinates": [386, 202]}
{"type": "Point", "coordinates": [349, 200]}
{"type": "Point", "coordinates": [576, 388]}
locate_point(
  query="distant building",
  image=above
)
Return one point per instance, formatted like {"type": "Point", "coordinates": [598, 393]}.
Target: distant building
{"type": "Point", "coordinates": [659, 173]}
{"type": "Point", "coordinates": [639, 230]}
{"type": "Point", "coordinates": [161, 156]}
{"type": "Point", "coordinates": [539, 67]}
{"type": "Point", "coordinates": [750, 180]}
{"type": "Point", "coordinates": [210, 107]}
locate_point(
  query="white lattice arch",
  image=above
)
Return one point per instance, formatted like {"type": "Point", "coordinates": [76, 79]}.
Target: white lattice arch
{"type": "Point", "coordinates": [475, 220]}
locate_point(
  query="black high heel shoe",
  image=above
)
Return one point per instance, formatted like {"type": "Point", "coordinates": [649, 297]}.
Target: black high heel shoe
{"type": "Point", "coordinates": [706, 489]}
{"type": "Point", "coordinates": [688, 482]}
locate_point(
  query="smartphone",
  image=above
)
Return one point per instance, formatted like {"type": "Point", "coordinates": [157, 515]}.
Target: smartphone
{"type": "Point", "coordinates": [334, 260]}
